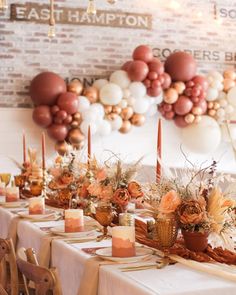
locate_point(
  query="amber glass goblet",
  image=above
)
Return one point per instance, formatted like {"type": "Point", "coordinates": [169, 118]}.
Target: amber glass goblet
{"type": "Point", "coordinates": [104, 215]}
{"type": "Point", "coordinates": [5, 177]}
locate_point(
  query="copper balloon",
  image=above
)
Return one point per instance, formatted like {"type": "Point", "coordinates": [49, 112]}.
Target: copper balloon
{"type": "Point", "coordinates": [62, 147]}
{"type": "Point", "coordinates": [127, 113]}
{"type": "Point", "coordinates": [46, 87]}
{"type": "Point", "coordinates": [75, 86]}
{"type": "Point", "coordinates": [42, 116]}
{"type": "Point", "coordinates": [126, 126]}
{"type": "Point", "coordinates": [228, 84]}
{"type": "Point", "coordinates": [143, 53]}
{"type": "Point", "coordinates": [78, 146]}
{"type": "Point", "coordinates": [74, 124]}
{"type": "Point", "coordinates": [116, 110]}
{"type": "Point", "coordinates": [138, 70]}
{"type": "Point", "coordinates": [68, 102]}
{"type": "Point", "coordinates": [77, 117]}
{"type": "Point", "coordinates": [230, 74]}
{"type": "Point", "coordinates": [57, 131]}
{"type": "Point", "coordinates": [91, 93]}
{"type": "Point", "coordinates": [107, 109]}
{"type": "Point", "coordinates": [138, 119]}
{"type": "Point", "coordinates": [112, 116]}
{"type": "Point", "coordinates": [75, 136]}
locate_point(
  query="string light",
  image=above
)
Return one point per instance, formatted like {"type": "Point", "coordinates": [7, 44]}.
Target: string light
{"type": "Point", "coordinates": [51, 30]}
{"type": "Point", "coordinates": [91, 9]}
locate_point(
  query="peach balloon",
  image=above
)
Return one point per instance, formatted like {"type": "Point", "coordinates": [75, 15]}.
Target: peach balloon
{"type": "Point", "coordinates": [116, 109]}
{"type": "Point", "coordinates": [127, 113]}
{"type": "Point", "coordinates": [126, 126]}
{"type": "Point", "coordinates": [189, 118]}
{"type": "Point", "coordinates": [197, 111]}
{"type": "Point", "coordinates": [112, 116]}
{"type": "Point", "coordinates": [171, 95]}
{"type": "Point", "coordinates": [138, 119]}
{"type": "Point", "coordinates": [229, 74]}
{"type": "Point", "coordinates": [107, 109]}
{"type": "Point", "coordinates": [179, 86]}
{"type": "Point", "coordinates": [75, 86]}
{"type": "Point", "coordinates": [75, 136]}
{"type": "Point", "coordinates": [91, 93]}
{"type": "Point", "coordinates": [197, 119]}
{"type": "Point", "coordinates": [228, 84]}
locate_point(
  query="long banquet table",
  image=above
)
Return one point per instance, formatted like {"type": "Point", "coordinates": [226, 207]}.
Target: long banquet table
{"type": "Point", "coordinates": [70, 261]}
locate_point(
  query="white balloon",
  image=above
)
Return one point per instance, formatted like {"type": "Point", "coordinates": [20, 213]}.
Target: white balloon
{"type": "Point", "coordinates": [131, 100]}
{"type": "Point", "coordinates": [216, 76]}
{"type": "Point", "coordinates": [104, 128]}
{"type": "Point", "coordinates": [88, 115]}
{"type": "Point", "coordinates": [98, 109]}
{"type": "Point", "coordinates": [84, 127]}
{"type": "Point", "coordinates": [159, 98]}
{"type": "Point", "coordinates": [100, 83]}
{"type": "Point", "coordinates": [137, 89]}
{"type": "Point", "coordinates": [212, 94]}
{"type": "Point", "coordinates": [123, 103]}
{"type": "Point", "coordinates": [203, 137]}
{"type": "Point", "coordinates": [83, 104]}
{"type": "Point", "coordinates": [152, 110]}
{"type": "Point", "coordinates": [220, 113]}
{"type": "Point", "coordinates": [229, 109]}
{"type": "Point", "coordinates": [116, 123]}
{"type": "Point", "coordinates": [231, 96]}
{"type": "Point", "coordinates": [140, 106]}
{"type": "Point", "coordinates": [126, 93]}
{"type": "Point", "coordinates": [120, 78]}
{"type": "Point", "coordinates": [222, 95]}
{"type": "Point", "coordinates": [223, 103]}
{"type": "Point", "coordinates": [111, 94]}
{"type": "Point", "coordinates": [217, 85]}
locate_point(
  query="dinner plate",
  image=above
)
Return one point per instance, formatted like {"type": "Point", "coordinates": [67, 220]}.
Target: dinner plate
{"type": "Point", "coordinates": [89, 231]}
{"type": "Point", "coordinates": [47, 214]}
{"type": "Point", "coordinates": [141, 253]}
{"type": "Point", "coordinates": [13, 204]}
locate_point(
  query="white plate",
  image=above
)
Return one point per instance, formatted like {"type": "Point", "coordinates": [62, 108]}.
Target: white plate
{"type": "Point", "coordinates": [89, 231]}
{"type": "Point", "coordinates": [13, 204]}
{"type": "Point", "coordinates": [141, 253]}
{"type": "Point", "coordinates": [47, 214]}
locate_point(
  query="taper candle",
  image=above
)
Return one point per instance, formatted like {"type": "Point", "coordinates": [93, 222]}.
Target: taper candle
{"type": "Point", "coordinates": [89, 143]}
{"type": "Point", "coordinates": [43, 152]}
{"type": "Point", "coordinates": [159, 144]}
{"type": "Point", "coordinates": [24, 149]}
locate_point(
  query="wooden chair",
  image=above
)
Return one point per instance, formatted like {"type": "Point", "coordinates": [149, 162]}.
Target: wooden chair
{"type": "Point", "coordinates": [46, 280]}
{"type": "Point", "coordinates": [8, 272]}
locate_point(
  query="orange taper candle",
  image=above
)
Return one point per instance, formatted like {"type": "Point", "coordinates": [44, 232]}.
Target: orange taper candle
{"type": "Point", "coordinates": [159, 144]}
{"type": "Point", "coordinates": [89, 143]}
{"type": "Point", "coordinates": [24, 148]}
{"type": "Point", "coordinates": [43, 152]}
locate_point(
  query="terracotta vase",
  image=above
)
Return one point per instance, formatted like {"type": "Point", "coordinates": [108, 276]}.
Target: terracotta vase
{"type": "Point", "coordinates": [195, 241]}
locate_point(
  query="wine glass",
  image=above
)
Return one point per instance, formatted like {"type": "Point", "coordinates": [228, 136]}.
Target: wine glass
{"type": "Point", "coordinates": [104, 215]}
{"type": "Point", "coordinates": [5, 177]}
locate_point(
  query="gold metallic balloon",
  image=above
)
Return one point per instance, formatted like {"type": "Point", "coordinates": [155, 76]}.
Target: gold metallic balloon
{"type": "Point", "coordinates": [228, 84]}
{"type": "Point", "coordinates": [197, 111]}
{"type": "Point", "coordinates": [138, 119]}
{"type": "Point", "coordinates": [75, 86]}
{"type": "Point", "coordinates": [62, 147]}
{"type": "Point", "coordinates": [112, 116]}
{"type": "Point", "coordinates": [78, 146]}
{"type": "Point", "coordinates": [126, 126]}
{"type": "Point", "coordinates": [107, 109]}
{"type": "Point", "coordinates": [210, 105]}
{"type": "Point", "coordinates": [77, 117]}
{"type": "Point", "coordinates": [216, 105]}
{"type": "Point", "coordinates": [127, 113]}
{"type": "Point", "coordinates": [116, 110]}
{"type": "Point", "coordinates": [212, 113]}
{"type": "Point", "coordinates": [74, 124]}
{"type": "Point", "coordinates": [75, 136]}
{"type": "Point", "coordinates": [91, 93]}
{"type": "Point", "coordinates": [179, 86]}
{"type": "Point", "coordinates": [230, 74]}
{"type": "Point", "coordinates": [171, 95]}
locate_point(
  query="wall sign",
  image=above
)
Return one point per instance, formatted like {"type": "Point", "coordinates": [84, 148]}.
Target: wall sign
{"type": "Point", "coordinates": [226, 12]}
{"type": "Point", "coordinates": [32, 12]}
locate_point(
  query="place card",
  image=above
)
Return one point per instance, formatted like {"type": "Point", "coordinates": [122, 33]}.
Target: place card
{"type": "Point", "coordinates": [36, 205]}
{"type": "Point", "coordinates": [123, 241]}
{"type": "Point", "coordinates": [74, 220]}
{"type": "Point", "coordinates": [12, 194]}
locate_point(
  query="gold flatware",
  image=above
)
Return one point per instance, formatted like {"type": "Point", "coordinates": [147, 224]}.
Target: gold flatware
{"type": "Point", "coordinates": [157, 265]}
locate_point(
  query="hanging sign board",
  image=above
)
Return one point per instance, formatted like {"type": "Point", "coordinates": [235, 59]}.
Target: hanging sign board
{"type": "Point", "coordinates": [40, 13]}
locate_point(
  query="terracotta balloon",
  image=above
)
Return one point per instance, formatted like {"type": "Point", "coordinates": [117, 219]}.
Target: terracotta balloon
{"type": "Point", "coordinates": [62, 147]}
{"type": "Point", "coordinates": [68, 119]}
{"type": "Point", "coordinates": [138, 70]}
{"type": "Point", "coordinates": [57, 131]}
{"type": "Point", "coordinates": [154, 91]}
{"type": "Point", "coordinates": [126, 65]}
{"type": "Point", "coordinates": [126, 126]}
{"type": "Point", "coordinates": [167, 81]}
{"type": "Point", "coordinates": [143, 53]}
{"type": "Point", "coordinates": [181, 66]}
{"type": "Point", "coordinates": [75, 86]}
{"type": "Point", "coordinates": [180, 121]}
{"type": "Point", "coordinates": [68, 102]}
{"type": "Point", "coordinates": [46, 87]}
{"type": "Point", "coordinates": [91, 93]}
{"type": "Point", "coordinates": [203, 105]}
{"type": "Point", "coordinates": [42, 116]}
{"type": "Point", "coordinates": [138, 119]}
{"type": "Point", "coordinates": [171, 95]}
{"type": "Point", "coordinates": [183, 105]}
{"type": "Point", "coordinates": [75, 136]}
{"type": "Point", "coordinates": [201, 80]}
{"type": "Point", "coordinates": [127, 113]}
{"type": "Point", "coordinates": [156, 66]}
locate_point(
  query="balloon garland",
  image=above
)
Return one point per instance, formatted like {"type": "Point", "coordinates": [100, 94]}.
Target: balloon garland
{"type": "Point", "coordinates": [143, 85]}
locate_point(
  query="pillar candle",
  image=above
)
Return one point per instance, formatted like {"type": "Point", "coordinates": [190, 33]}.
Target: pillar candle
{"type": "Point", "coordinates": [74, 220]}
{"type": "Point", "coordinates": [159, 144]}
{"type": "Point", "coordinates": [123, 241]}
{"type": "Point", "coordinates": [36, 205]}
{"type": "Point", "coordinates": [12, 194]}
{"type": "Point", "coordinates": [2, 189]}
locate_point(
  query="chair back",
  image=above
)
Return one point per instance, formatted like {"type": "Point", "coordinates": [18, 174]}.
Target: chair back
{"type": "Point", "coordinates": [8, 257]}
{"type": "Point", "coordinates": [44, 279]}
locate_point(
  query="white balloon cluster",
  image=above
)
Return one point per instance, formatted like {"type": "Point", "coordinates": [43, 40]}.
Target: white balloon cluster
{"type": "Point", "coordinates": [121, 104]}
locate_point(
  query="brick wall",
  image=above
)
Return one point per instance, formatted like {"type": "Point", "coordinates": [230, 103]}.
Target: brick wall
{"type": "Point", "coordinates": [79, 51]}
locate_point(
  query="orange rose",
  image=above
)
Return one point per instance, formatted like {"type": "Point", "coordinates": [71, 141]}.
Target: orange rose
{"type": "Point", "coordinates": [135, 189]}
{"type": "Point", "coordinates": [169, 202]}
{"type": "Point", "coordinates": [121, 197]}
{"type": "Point", "coordinates": [230, 203]}
{"type": "Point", "coordinates": [107, 192]}
{"type": "Point", "coordinates": [83, 190]}
{"type": "Point", "coordinates": [101, 174]}
{"type": "Point", "coordinates": [192, 212]}
{"type": "Point", "coordinates": [94, 189]}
